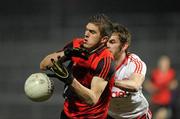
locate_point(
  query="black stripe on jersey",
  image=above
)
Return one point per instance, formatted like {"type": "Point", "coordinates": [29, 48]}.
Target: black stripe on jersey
{"type": "Point", "coordinates": [105, 68]}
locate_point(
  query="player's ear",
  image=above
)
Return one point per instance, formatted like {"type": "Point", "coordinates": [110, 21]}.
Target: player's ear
{"type": "Point", "coordinates": [104, 39]}
{"type": "Point", "coordinates": [125, 46]}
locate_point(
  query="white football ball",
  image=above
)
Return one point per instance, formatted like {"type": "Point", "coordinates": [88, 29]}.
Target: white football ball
{"type": "Point", "coordinates": [38, 87]}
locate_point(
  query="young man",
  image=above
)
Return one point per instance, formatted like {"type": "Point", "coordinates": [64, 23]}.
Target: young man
{"type": "Point", "coordinates": [127, 100]}
{"type": "Point", "coordinates": [161, 86]}
{"type": "Point", "coordinates": [88, 94]}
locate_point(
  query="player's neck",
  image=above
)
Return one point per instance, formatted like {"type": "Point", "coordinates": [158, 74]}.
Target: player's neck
{"type": "Point", "coordinates": [120, 58]}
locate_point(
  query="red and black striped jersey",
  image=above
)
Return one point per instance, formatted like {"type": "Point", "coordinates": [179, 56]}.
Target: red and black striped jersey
{"type": "Point", "coordinates": [100, 64]}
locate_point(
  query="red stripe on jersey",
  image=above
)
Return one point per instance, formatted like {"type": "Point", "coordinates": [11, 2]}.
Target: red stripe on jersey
{"type": "Point", "coordinates": [123, 62]}
{"type": "Point", "coordinates": [140, 67]}
{"type": "Point", "coordinates": [137, 67]}
{"type": "Point", "coordinates": [74, 107]}
{"type": "Point", "coordinates": [138, 64]}
{"type": "Point", "coordinates": [134, 60]}
{"type": "Point", "coordinates": [140, 70]}
{"type": "Point", "coordinates": [105, 68]}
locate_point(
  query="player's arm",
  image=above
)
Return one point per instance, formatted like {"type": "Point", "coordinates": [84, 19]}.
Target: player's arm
{"type": "Point", "coordinates": [90, 96]}
{"type": "Point", "coordinates": [173, 84]}
{"type": "Point", "coordinates": [104, 72]}
{"type": "Point", "coordinates": [46, 62]}
{"type": "Point", "coordinates": [132, 84]}
{"type": "Point", "coordinates": [137, 77]}
{"type": "Point", "coordinates": [66, 54]}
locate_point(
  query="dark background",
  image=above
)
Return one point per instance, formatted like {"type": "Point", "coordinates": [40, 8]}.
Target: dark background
{"type": "Point", "coordinates": [31, 29]}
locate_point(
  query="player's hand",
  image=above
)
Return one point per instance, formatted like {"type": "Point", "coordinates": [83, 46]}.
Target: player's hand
{"type": "Point", "coordinates": [46, 62]}
{"type": "Point", "coordinates": [61, 72]}
{"type": "Point", "coordinates": [76, 52]}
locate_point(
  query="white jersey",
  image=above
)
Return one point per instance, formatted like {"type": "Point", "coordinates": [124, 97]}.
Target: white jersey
{"type": "Point", "coordinates": [134, 104]}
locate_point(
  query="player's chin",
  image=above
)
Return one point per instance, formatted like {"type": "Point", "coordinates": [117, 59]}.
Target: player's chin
{"type": "Point", "coordinates": [86, 46]}
{"type": "Point", "coordinates": [111, 51]}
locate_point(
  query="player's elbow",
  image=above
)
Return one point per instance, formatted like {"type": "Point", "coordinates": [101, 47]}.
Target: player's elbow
{"type": "Point", "coordinates": [42, 66]}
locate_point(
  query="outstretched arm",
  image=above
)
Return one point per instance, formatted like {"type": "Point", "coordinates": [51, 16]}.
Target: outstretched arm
{"type": "Point", "coordinates": [46, 62]}
{"type": "Point", "coordinates": [65, 55]}
{"type": "Point", "coordinates": [137, 71]}
{"type": "Point", "coordinates": [132, 84]}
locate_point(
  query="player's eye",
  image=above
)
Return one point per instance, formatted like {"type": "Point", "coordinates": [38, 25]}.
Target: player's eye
{"type": "Point", "coordinates": [92, 31]}
{"type": "Point", "coordinates": [112, 41]}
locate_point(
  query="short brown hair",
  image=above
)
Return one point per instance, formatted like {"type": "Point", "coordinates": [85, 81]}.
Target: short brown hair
{"type": "Point", "coordinates": [124, 34]}
{"type": "Point", "coordinates": [104, 24]}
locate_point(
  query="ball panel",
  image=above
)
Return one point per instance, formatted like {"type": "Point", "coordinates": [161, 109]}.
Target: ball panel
{"type": "Point", "coordinates": [38, 87]}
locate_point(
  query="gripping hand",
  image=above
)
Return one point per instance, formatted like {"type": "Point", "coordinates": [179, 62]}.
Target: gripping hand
{"type": "Point", "coordinates": [61, 72]}
{"type": "Point", "coordinates": [76, 52]}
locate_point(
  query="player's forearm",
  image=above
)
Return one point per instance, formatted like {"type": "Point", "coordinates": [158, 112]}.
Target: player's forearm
{"type": "Point", "coordinates": [46, 62]}
{"type": "Point", "coordinates": [127, 85]}
{"type": "Point", "coordinates": [84, 93]}
{"type": "Point", "coordinates": [132, 84]}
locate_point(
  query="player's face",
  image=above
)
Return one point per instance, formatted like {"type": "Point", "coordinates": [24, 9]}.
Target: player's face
{"type": "Point", "coordinates": [164, 63]}
{"type": "Point", "coordinates": [92, 36]}
{"type": "Point", "coordinates": [114, 44]}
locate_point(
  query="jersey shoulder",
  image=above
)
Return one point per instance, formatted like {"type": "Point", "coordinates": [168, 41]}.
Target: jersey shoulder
{"type": "Point", "coordinates": [77, 42]}
{"type": "Point", "coordinates": [136, 65]}
{"type": "Point", "coordinates": [107, 53]}
{"type": "Point", "coordinates": [134, 58]}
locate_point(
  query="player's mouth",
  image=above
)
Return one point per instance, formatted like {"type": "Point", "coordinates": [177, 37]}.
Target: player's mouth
{"type": "Point", "coordinates": [85, 41]}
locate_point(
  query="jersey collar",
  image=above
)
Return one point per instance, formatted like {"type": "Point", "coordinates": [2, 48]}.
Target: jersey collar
{"type": "Point", "coordinates": [124, 62]}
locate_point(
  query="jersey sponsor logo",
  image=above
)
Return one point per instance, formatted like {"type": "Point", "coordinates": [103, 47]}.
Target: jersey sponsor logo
{"type": "Point", "coordinates": [120, 94]}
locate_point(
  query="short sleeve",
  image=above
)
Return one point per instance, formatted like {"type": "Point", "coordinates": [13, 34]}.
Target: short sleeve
{"type": "Point", "coordinates": [105, 68]}
{"type": "Point", "coordinates": [138, 66]}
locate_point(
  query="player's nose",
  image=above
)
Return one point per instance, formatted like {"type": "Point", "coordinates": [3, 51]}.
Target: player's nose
{"type": "Point", "coordinates": [86, 34]}
{"type": "Point", "coordinates": [108, 45]}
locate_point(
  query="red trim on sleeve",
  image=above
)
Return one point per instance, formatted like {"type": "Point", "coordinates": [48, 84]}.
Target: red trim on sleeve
{"type": "Point", "coordinates": [138, 64]}
{"type": "Point", "coordinates": [106, 68]}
